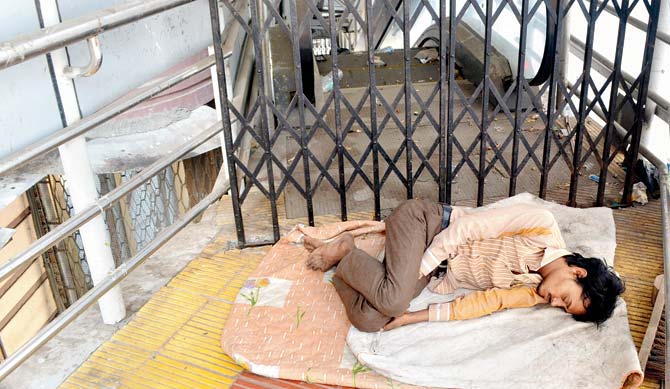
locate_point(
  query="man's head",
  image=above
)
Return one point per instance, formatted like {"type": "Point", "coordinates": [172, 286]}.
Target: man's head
{"type": "Point", "coordinates": [585, 287]}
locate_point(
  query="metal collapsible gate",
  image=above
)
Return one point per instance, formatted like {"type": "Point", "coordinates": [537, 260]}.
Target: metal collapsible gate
{"type": "Point", "coordinates": [269, 123]}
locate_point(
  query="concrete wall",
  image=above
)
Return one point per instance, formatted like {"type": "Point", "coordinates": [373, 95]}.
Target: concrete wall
{"type": "Point", "coordinates": [28, 107]}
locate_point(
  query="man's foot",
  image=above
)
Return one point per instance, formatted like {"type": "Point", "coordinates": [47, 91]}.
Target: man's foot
{"type": "Point", "coordinates": [329, 254]}
{"type": "Point", "coordinates": [312, 244]}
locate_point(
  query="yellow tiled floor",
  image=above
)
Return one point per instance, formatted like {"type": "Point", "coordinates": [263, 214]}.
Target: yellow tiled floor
{"type": "Point", "coordinates": [174, 340]}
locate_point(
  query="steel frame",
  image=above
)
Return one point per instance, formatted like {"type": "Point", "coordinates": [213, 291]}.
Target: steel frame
{"type": "Point", "coordinates": [574, 150]}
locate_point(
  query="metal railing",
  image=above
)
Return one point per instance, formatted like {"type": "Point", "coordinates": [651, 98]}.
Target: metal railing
{"type": "Point", "coordinates": [99, 290]}
{"type": "Point", "coordinates": [23, 48]}
{"type": "Point", "coordinates": [30, 45]}
{"type": "Point", "coordinates": [665, 188]}
{"type": "Point", "coordinates": [663, 171]}
{"type": "Point", "coordinates": [433, 147]}
{"type": "Point", "coordinates": [43, 41]}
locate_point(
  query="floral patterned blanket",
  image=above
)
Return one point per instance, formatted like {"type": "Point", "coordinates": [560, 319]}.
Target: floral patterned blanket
{"type": "Point", "coordinates": [288, 321]}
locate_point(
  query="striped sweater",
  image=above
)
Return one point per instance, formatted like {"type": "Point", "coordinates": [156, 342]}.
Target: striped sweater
{"type": "Point", "coordinates": [496, 251]}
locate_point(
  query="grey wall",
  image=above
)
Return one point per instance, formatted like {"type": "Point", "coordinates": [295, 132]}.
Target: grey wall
{"type": "Point", "coordinates": [135, 53]}
{"type": "Point", "coordinates": [28, 108]}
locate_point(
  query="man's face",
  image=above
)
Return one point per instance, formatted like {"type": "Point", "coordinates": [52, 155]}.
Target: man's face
{"type": "Point", "coordinates": [560, 289]}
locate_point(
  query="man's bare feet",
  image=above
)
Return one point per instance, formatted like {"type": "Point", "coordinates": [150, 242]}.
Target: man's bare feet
{"type": "Point", "coordinates": [312, 243]}
{"type": "Point", "coordinates": [329, 254]}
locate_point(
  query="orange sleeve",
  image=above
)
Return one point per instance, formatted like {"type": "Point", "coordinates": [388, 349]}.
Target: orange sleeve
{"type": "Point", "coordinates": [485, 302]}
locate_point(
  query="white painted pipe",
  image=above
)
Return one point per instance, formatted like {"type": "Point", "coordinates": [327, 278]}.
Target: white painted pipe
{"type": "Point", "coordinates": [80, 181]}
{"type": "Point", "coordinates": [94, 234]}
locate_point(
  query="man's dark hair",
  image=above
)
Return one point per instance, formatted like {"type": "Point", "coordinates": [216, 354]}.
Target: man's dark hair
{"type": "Point", "coordinates": [601, 287]}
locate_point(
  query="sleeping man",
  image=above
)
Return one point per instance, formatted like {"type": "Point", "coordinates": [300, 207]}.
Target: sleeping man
{"type": "Point", "coordinates": [513, 256]}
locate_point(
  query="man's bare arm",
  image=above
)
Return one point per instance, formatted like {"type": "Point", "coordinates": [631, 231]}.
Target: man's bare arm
{"type": "Point", "coordinates": [476, 304]}
{"type": "Point", "coordinates": [407, 318]}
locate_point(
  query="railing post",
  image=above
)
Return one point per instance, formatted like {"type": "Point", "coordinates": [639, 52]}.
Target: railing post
{"type": "Point", "coordinates": [564, 51]}
{"type": "Point", "coordinates": [80, 176]}
{"type": "Point", "coordinates": [217, 103]}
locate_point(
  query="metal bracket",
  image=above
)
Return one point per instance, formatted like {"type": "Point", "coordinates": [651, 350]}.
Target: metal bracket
{"type": "Point", "coordinates": [93, 64]}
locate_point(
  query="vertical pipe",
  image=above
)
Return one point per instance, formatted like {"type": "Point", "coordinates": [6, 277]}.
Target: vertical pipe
{"type": "Point", "coordinates": [306, 59]}
{"type": "Point", "coordinates": [222, 95]}
{"type": "Point", "coordinates": [256, 23]}
{"type": "Point", "coordinates": [217, 102]}
{"type": "Point", "coordinates": [519, 92]}
{"type": "Point", "coordinates": [553, 95]}
{"type": "Point", "coordinates": [450, 97]}
{"type": "Point", "coordinates": [485, 104]}
{"type": "Point", "coordinates": [641, 98]}
{"type": "Point", "coordinates": [406, 27]}
{"type": "Point", "coordinates": [583, 96]}
{"type": "Point", "coordinates": [443, 102]}
{"type": "Point", "coordinates": [338, 119]}
{"type": "Point", "coordinates": [373, 107]}
{"type": "Point", "coordinates": [614, 91]}
{"type": "Point", "coordinates": [217, 99]}
{"type": "Point", "coordinates": [80, 176]}
{"type": "Point", "coordinates": [562, 55]}
{"type": "Point", "coordinates": [61, 258]}
{"type": "Point", "coordinates": [262, 15]}
{"type": "Point", "coordinates": [564, 49]}
{"type": "Point", "coordinates": [298, 58]}
{"type": "Point", "coordinates": [41, 223]}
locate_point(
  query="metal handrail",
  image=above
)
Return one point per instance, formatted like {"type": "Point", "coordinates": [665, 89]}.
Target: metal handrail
{"type": "Point", "coordinates": [639, 24]}
{"type": "Point", "coordinates": [42, 41]}
{"type": "Point", "coordinates": [665, 220]}
{"type": "Point", "coordinates": [89, 122]}
{"type": "Point", "coordinates": [63, 230]}
{"type": "Point", "coordinates": [88, 299]}
{"type": "Point", "coordinates": [111, 17]}
{"type": "Point", "coordinates": [30, 45]}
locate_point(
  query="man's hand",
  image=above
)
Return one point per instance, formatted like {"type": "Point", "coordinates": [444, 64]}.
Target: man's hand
{"type": "Point", "coordinates": [407, 318]}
